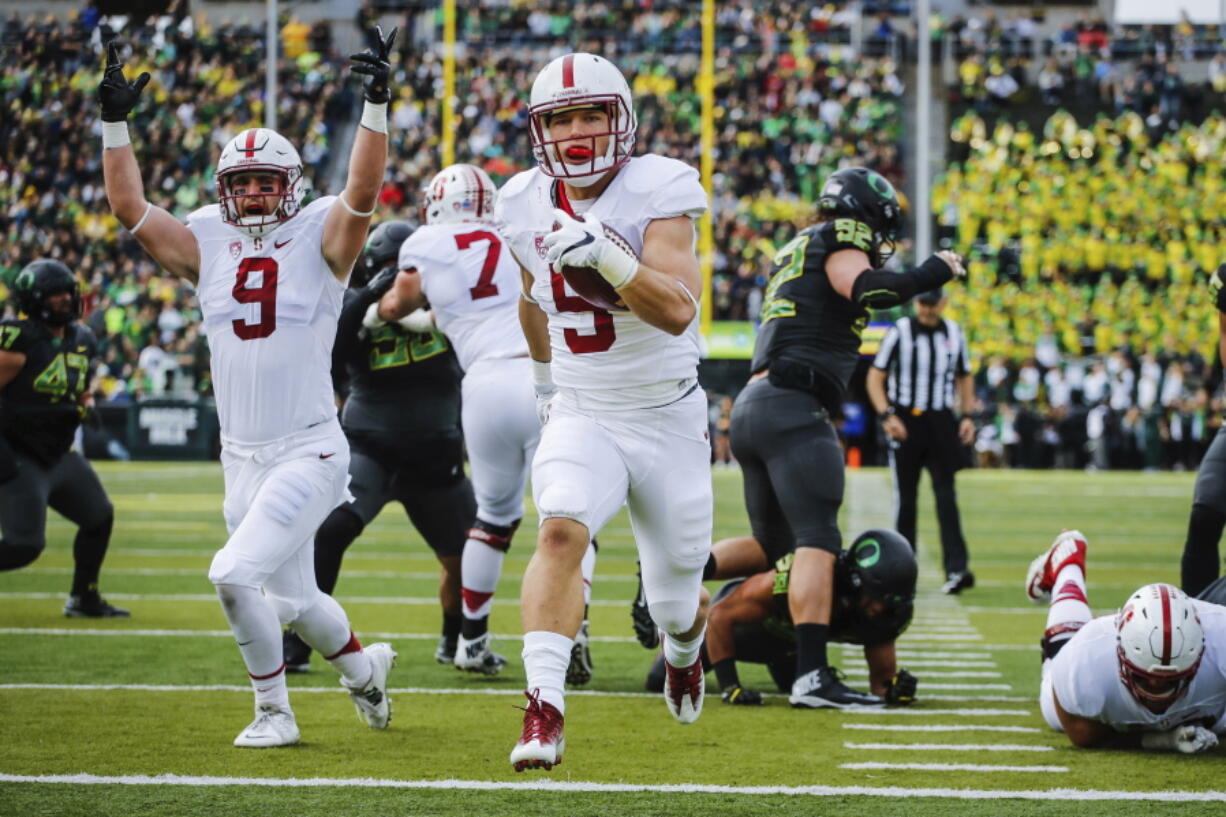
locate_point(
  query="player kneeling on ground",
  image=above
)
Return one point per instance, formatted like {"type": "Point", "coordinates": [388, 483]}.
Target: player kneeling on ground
{"type": "Point", "coordinates": [1151, 676]}
{"type": "Point", "coordinates": [44, 381]}
{"type": "Point", "coordinates": [874, 592]}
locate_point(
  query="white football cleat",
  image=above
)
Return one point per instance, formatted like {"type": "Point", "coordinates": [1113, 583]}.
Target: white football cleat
{"type": "Point", "coordinates": [371, 702]}
{"type": "Point", "coordinates": [476, 656]}
{"type": "Point", "coordinates": [541, 741]}
{"type": "Point", "coordinates": [683, 690]}
{"type": "Point", "coordinates": [273, 726]}
{"type": "Point", "coordinates": [1069, 547]}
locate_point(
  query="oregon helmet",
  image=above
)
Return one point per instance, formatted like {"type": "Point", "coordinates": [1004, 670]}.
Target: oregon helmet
{"type": "Point", "coordinates": [881, 565]}
{"type": "Point", "coordinates": [382, 249]}
{"type": "Point", "coordinates": [865, 195]}
{"type": "Point", "coordinates": [40, 279]}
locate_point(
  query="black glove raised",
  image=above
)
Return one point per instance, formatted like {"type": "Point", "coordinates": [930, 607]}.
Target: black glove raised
{"type": "Point", "coordinates": [382, 282]}
{"type": "Point", "coordinates": [901, 689]}
{"type": "Point", "coordinates": [375, 63]}
{"type": "Point", "coordinates": [117, 95]}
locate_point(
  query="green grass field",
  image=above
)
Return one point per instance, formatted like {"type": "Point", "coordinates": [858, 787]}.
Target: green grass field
{"type": "Point", "coordinates": [135, 717]}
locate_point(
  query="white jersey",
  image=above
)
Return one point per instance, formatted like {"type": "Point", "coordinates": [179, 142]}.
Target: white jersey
{"type": "Point", "coordinates": [594, 349]}
{"type": "Point", "coordinates": [270, 308]}
{"type": "Point", "coordinates": [1086, 679]}
{"type": "Point", "coordinates": [473, 286]}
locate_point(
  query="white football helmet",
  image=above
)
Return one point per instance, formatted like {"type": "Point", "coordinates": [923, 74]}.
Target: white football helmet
{"type": "Point", "coordinates": [460, 193]}
{"type": "Point", "coordinates": [260, 150]}
{"type": "Point", "coordinates": [1160, 644]}
{"type": "Point", "coordinates": [580, 81]}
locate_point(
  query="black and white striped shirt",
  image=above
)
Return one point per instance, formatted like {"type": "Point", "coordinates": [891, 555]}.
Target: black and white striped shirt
{"type": "Point", "coordinates": [922, 363]}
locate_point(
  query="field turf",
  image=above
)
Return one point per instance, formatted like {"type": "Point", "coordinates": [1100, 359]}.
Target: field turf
{"type": "Point", "coordinates": [136, 716]}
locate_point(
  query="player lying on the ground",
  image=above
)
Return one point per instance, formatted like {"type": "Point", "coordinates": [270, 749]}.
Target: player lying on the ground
{"type": "Point", "coordinates": [1151, 676]}
{"type": "Point", "coordinates": [874, 592]}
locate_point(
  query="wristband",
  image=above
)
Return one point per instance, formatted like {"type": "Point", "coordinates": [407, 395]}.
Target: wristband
{"type": "Point", "coordinates": [542, 374]}
{"type": "Point", "coordinates": [617, 266]}
{"type": "Point", "coordinates": [374, 117]}
{"type": "Point", "coordinates": [115, 135]}
{"type": "Point", "coordinates": [371, 319]}
{"type": "Point", "coordinates": [358, 213]}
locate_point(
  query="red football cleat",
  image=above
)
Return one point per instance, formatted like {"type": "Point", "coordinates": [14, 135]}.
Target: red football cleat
{"type": "Point", "coordinates": [1069, 547]}
{"type": "Point", "coordinates": [683, 690]}
{"type": "Point", "coordinates": [541, 742]}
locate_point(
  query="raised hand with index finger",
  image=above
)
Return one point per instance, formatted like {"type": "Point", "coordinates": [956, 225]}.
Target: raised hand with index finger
{"type": "Point", "coordinates": [118, 96]}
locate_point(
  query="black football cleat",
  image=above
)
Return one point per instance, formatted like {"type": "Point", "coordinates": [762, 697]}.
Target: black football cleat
{"type": "Point", "coordinates": [824, 689]}
{"type": "Point", "coordinates": [645, 629]}
{"type": "Point", "coordinates": [92, 605]}
{"type": "Point", "coordinates": [297, 653]}
{"type": "Point", "coordinates": [957, 581]}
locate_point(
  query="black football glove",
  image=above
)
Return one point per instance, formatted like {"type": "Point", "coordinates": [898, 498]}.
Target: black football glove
{"type": "Point", "coordinates": [1216, 289]}
{"type": "Point", "coordinates": [117, 95]}
{"type": "Point", "coordinates": [375, 63]}
{"type": "Point", "coordinates": [382, 282]}
{"type": "Point", "coordinates": [739, 696]}
{"type": "Point", "coordinates": [900, 691]}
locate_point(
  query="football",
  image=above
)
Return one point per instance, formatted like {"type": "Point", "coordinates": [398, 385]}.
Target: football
{"type": "Point", "coordinates": [591, 286]}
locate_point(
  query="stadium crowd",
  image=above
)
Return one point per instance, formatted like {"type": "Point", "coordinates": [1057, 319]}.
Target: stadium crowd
{"type": "Point", "coordinates": [1091, 321]}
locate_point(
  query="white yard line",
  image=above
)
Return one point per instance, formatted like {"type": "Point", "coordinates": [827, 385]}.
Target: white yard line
{"type": "Point", "coordinates": [547, 785]}
{"type": "Point", "coordinates": [950, 747]}
{"type": "Point", "coordinates": [42, 631]}
{"type": "Point", "coordinates": [936, 674]}
{"type": "Point", "coordinates": [939, 727]}
{"type": "Point", "coordinates": [951, 767]}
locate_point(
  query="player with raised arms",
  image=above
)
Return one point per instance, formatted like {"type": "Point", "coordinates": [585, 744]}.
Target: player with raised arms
{"type": "Point", "coordinates": [270, 273]}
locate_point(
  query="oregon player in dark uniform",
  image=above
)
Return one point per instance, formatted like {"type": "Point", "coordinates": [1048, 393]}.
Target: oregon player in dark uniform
{"type": "Point", "coordinates": [402, 418]}
{"type": "Point", "coordinates": [749, 620]}
{"type": "Point", "coordinates": [44, 382]}
{"type": "Point", "coordinates": [822, 285]}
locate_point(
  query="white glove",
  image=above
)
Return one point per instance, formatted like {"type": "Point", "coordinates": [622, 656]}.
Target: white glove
{"type": "Point", "coordinates": [419, 320]}
{"type": "Point", "coordinates": [371, 319]}
{"type": "Point", "coordinates": [543, 385]}
{"type": "Point", "coordinates": [584, 244]}
{"type": "Point", "coordinates": [1188, 739]}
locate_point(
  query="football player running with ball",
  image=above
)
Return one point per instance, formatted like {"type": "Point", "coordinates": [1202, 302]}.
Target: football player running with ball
{"type": "Point", "coordinates": [270, 275]}
{"type": "Point", "coordinates": [455, 273]}
{"type": "Point", "coordinates": [1151, 676]}
{"type": "Point", "coordinates": [44, 387]}
{"type": "Point", "coordinates": [626, 421]}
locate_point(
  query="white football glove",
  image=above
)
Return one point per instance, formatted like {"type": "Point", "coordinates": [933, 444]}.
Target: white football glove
{"type": "Point", "coordinates": [371, 319]}
{"type": "Point", "coordinates": [543, 385]}
{"type": "Point", "coordinates": [1188, 739]}
{"type": "Point", "coordinates": [584, 244]}
{"type": "Point", "coordinates": [419, 320]}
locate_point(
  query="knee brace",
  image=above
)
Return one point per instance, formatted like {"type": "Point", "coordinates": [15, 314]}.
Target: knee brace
{"type": "Point", "coordinates": [674, 616]}
{"type": "Point", "coordinates": [13, 557]}
{"type": "Point", "coordinates": [228, 569]}
{"type": "Point", "coordinates": [496, 536]}
{"type": "Point", "coordinates": [565, 500]}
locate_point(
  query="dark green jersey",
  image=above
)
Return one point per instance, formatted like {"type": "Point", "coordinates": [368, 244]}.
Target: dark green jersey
{"type": "Point", "coordinates": [848, 625]}
{"type": "Point", "coordinates": [804, 321]}
{"type": "Point", "coordinates": [39, 409]}
{"type": "Point", "coordinates": [398, 381]}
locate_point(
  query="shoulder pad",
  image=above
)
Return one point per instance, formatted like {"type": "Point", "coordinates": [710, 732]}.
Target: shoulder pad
{"type": "Point", "coordinates": [205, 212]}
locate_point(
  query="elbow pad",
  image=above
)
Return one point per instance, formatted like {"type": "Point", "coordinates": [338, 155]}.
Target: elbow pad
{"type": "Point", "coordinates": [879, 289]}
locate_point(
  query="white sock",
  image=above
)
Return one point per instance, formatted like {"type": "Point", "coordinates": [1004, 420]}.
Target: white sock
{"type": "Point", "coordinates": [682, 653]}
{"type": "Point", "coordinates": [546, 656]}
{"type": "Point", "coordinates": [258, 634]}
{"type": "Point", "coordinates": [1069, 604]}
{"type": "Point", "coordinates": [587, 567]}
{"type": "Point", "coordinates": [480, 567]}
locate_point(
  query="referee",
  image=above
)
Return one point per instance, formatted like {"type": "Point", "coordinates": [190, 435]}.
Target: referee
{"type": "Point", "coordinates": [923, 357]}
